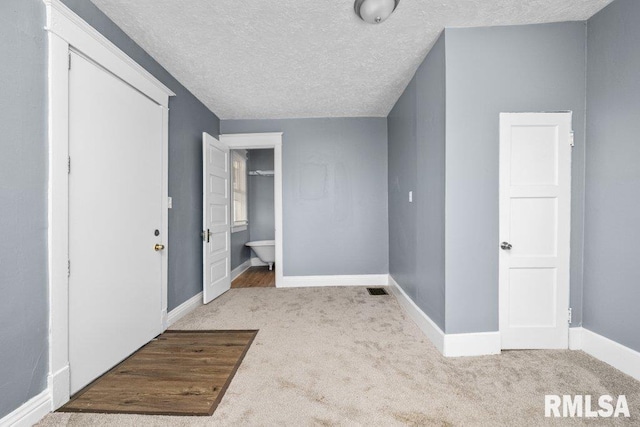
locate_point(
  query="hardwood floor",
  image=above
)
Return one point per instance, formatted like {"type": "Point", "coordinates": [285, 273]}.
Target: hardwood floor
{"type": "Point", "coordinates": [178, 373]}
{"type": "Point", "coordinates": [256, 277]}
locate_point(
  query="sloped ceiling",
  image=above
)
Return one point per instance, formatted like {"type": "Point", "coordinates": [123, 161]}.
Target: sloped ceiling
{"type": "Point", "coordinates": [308, 58]}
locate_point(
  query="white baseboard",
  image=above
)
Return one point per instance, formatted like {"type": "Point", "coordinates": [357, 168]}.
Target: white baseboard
{"type": "Point", "coordinates": [575, 338]}
{"type": "Point", "coordinates": [240, 269]}
{"type": "Point", "coordinates": [59, 384]}
{"type": "Point", "coordinates": [315, 281]}
{"type": "Point", "coordinates": [615, 354]}
{"type": "Point", "coordinates": [450, 345]}
{"type": "Point", "coordinates": [473, 344]}
{"type": "Point", "coordinates": [424, 322]}
{"type": "Point", "coordinates": [255, 262]}
{"type": "Point", "coordinates": [29, 413]}
{"type": "Point", "coordinates": [183, 309]}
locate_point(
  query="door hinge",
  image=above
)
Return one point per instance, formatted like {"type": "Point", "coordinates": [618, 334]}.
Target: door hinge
{"type": "Point", "coordinates": [572, 141]}
{"type": "Point", "coordinates": [68, 268]}
{"type": "Point", "coordinates": [570, 315]}
{"type": "Point", "coordinates": [69, 164]}
{"type": "Point", "coordinates": [69, 61]}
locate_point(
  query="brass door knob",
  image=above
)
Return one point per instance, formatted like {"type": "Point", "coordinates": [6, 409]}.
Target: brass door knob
{"type": "Point", "coordinates": [158, 247]}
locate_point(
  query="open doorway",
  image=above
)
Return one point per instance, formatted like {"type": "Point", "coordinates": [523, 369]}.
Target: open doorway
{"type": "Point", "coordinates": [253, 252]}
{"type": "Point", "coordinates": [256, 216]}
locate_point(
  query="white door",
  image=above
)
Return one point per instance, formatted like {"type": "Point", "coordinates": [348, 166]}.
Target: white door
{"type": "Point", "coordinates": [216, 218]}
{"type": "Point", "coordinates": [115, 190]}
{"type": "Point", "coordinates": [535, 202]}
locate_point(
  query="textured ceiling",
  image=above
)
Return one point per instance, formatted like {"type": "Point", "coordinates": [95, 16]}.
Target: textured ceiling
{"type": "Point", "coordinates": [308, 58]}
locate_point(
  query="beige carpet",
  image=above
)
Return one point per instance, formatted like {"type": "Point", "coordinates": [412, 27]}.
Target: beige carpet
{"type": "Point", "coordinates": [337, 356]}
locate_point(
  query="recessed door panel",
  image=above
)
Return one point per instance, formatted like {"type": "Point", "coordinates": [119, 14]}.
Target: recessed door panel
{"type": "Point", "coordinates": [534, 155]}
{"type": "Point", "coordinates": [218, 243]}
{"type": "Point", "coordinates": [219, 186]}
{"type": "Point", "coordinates": [532, 297]}
{"type": "Point", "coordinates": [534, 226]}
{"type": "Point", "coordinates": [218, 215]}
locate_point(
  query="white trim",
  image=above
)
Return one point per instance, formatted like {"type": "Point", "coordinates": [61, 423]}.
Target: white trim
{"type": "Point", "coordinates": [59, 385]}
{"type": "Point", "coordinates": [273, 140]}
{"type": "Point", "coordinates": [615, 354]}
{"type": "Point", "coordinates": [240, 269]}
{"type": "Point", "coordinates": [63, 22]}
{"type": "Point", "coordinates": [185, 308]}
{"type": "Point", "coordinates": [575, 338]}
{"type": "Point", "coordinates": [29, 413]}
{"type": "Point", "coordinates": [238, 228]}
{"type": "Point", "coordinates": [319, 281]}
{"type": "Point", "coordinates": [164, 291]}
{"type": "Point", "coordinates": [65, 30]}
{"type": "Point", "coordinates": [450, 345]}
{"type": "Point", "coordinates": [473, 344]}
{"type": "Point", "coordinates": [58, 210]}
{"type": "Point", "coordinates": [424, 322]}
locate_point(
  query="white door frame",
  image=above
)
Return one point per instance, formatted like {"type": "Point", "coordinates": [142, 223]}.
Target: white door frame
{"type": "Point", "coordinates": [250, 141]}
{"type": "Point", "coordinates": [65, 31]}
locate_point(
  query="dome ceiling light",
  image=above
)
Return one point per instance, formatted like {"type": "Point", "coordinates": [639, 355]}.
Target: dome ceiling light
{"type": "Point", "coordinates": [375, 11]}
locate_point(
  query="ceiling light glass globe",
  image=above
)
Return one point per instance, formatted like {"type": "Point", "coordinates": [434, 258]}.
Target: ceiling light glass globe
{"type": "Point", "coordinates": [376, 11]}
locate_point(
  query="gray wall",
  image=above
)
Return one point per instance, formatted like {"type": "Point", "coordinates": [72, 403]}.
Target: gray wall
{"type": "Point", "coordinates": [612, 230]}
{"type": "Point", "coordinates": [334, 193]}
{"type": "Point", "coordinates": [261, 205]}
{"type": "Point", "coordinates": [493, 70]}
{"type": "Point", "coordinates": [23, 190]}
{"type": "Point", "coordinates": [23, 203]}
{"type": "Point", "coordinates": [416, 133]}
{"type": "Point", "coordinates": [239, 252]}
{"type": "Point", "coordinates": [188, 118]}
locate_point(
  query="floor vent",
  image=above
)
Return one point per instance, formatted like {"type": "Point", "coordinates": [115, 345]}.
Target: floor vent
{"type": "Point", "coordinates": [377, 291]}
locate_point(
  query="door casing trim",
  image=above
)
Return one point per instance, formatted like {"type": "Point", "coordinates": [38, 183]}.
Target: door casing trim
{"type": "Point", "coordinates": [273, 140]}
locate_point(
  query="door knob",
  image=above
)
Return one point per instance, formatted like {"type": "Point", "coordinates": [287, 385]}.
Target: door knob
{"type": "Point", "coordinates": [505, 246]}
{"type": "Point", "coordinates": [158, 247]}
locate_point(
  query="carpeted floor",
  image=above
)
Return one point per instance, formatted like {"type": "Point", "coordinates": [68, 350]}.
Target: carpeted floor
{"type": "Point", "coordinates": [337, 356]}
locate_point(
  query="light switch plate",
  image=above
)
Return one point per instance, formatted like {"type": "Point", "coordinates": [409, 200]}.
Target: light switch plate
{"type": "Point", "coordinates": [410, 196]}
{"type": "Point", "coordinates": [170, 203]}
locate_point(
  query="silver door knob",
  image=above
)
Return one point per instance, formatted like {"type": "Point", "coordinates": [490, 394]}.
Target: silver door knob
{"type": "Point", "coordinates": [505, 246]}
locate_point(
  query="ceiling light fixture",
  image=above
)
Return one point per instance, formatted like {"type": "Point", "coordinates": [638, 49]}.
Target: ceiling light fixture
{"type": "Point", "coordinates": [375, 11]}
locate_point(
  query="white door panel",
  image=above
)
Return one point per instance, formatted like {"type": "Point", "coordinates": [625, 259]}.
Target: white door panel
{"type": "Point", "coordinates": [535, 202]}
{"type": "Point", "coordinates": [216, 218]}
{"type": "Point", "coordinates": [115, 191]}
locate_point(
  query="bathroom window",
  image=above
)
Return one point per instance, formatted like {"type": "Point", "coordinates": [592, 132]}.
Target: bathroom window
{"type": "Point", "coordinates": [239, 185]}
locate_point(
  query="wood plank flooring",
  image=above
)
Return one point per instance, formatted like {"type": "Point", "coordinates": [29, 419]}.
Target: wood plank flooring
{"type": "Point", "coordinates": [178, 373]}
{"type": "Point", "coordinates": [256, 277]}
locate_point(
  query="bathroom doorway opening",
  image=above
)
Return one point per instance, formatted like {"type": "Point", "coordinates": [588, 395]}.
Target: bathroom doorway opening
{"type": "Point", "coordinates": [253, 216]}
{"type": "Point", "coordinates": [256, 243]}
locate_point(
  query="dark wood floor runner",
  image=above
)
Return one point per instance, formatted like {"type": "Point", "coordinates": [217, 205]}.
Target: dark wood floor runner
{"type": "Point", "coordinates": [179, 373]}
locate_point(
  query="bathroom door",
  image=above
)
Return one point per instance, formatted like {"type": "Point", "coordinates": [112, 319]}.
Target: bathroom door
{"type": "Point", "coordinates": [216, 218]}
